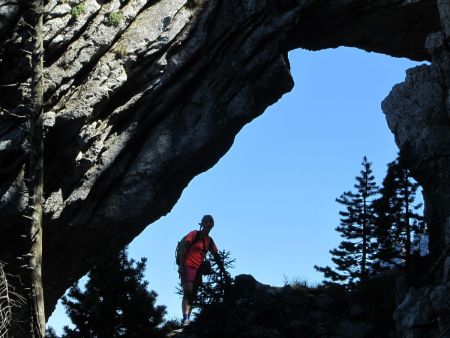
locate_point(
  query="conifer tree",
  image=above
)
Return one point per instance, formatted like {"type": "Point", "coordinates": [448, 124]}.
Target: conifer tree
{"type": "Point", "coordinates": [115, 302]}
{"type": "Point", "coordinates": [215, 300]}
{"type": "Point", "coordinates": [352, 257]}
{"type": "Point", "coordinates": [50, 333]}
{"type": "Point", "coordinates": [397, 219]}
{"type": "Point", "coordinates": [213, 289]}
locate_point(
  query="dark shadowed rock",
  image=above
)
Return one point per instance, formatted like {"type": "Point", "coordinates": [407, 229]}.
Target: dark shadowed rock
{"type": "Point", "coordinates": [324, 302]}
{"type": "Point", "coordinates": [143, 95]}
{"type": "Point", "coordinates": [295, 312]}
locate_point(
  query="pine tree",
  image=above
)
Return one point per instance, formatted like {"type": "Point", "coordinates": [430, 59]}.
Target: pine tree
{"type": "Point", "coordinates": [352, 257]}
{"type": "Point", "coordinates": [397, 219]}
{"type": "Point", "coordinates": [215, 300]}
{"type": "Point", "coordinates": [213, 289]}
{"type": "Point", "coordinates": [115, 302]}
{"type": "Point", "coordinates": [50, 333]}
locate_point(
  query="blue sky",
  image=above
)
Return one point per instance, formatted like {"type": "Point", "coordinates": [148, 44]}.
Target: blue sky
{"type": "Point", "coordinates": [273, 194]}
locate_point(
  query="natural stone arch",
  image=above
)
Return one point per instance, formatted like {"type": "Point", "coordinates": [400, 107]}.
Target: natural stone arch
{"type": "Point", "coordinates": [136, 110]}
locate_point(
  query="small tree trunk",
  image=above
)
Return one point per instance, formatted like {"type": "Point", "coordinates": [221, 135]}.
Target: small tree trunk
{"type": "Point", "coordinates": [36, 152]}
{"type": "Point", "coordinates": [408, 231]}
{"type": "Point", "coordinates": [364, 242]}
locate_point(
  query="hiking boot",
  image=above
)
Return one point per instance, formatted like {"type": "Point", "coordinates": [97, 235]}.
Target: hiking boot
{"type": "Point", "coordinates": [185, 322]}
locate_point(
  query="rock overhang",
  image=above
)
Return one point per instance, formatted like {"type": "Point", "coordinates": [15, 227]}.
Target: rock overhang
{"type": "Point", "coordinates": [135, 121]}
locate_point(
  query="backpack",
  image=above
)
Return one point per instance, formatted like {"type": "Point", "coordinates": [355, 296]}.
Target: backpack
{"type": "Point", "coordinates": [182, 244]}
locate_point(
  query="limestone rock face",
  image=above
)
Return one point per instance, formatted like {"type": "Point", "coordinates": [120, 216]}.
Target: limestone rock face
{"type": "Point", "coordinates": [418, 113]}
{"type": "Point", "coordinates": [143, 95]}
{"type": "Point", "coordinates": [424, 312]}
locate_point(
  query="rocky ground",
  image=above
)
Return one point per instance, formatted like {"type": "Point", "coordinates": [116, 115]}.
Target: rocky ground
{"type": "Point", "coordinates": [256, 310]}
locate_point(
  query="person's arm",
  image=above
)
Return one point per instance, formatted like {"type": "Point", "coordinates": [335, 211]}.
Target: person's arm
{"type": "Point", "coordinates": [220, 264]}
{"type": "Point", "coordinates": [218, 260]}
{"type": "Point", "coordinates": [215, 253]}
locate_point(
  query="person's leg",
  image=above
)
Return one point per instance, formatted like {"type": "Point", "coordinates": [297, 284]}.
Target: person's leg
{"type": "Point", "coordinates": [197, 283]}
{"type": "Point", "coordinates": [187, 282]}
{"type": "Point", "coordinates": [188, 294]}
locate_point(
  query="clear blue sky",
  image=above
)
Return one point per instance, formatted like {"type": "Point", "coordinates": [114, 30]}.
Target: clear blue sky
{"type": "Point", "coordinates": [273, 194]}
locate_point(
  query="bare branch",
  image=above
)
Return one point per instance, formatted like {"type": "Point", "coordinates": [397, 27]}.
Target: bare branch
{"type": "Point", "coordinates": [9, 300]}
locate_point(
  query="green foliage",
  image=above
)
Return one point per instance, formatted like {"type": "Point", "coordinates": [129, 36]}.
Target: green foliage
{"type": "Point", "coordinates": [379, 233]}
{"type": "Point", "coordinates": [50, 333]}
{"type": "Point", "coordinates": [214, 288]}
{"type": "Point", "coordinates": [77, 10]}
{"type": "Point", "coordinates": [114, 19]}
{"type": "Point", "coordinates": [212, 294]}
{"type": "Point", "coordinates": [115, 302]}
{"type": "Point", "coordinates": [398, 222]}
{"type": "Point", "coordinates": [352, 257]}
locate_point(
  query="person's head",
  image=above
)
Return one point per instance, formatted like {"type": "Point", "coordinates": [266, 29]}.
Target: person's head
{"type": "Point", "coordinates": [207, 223]}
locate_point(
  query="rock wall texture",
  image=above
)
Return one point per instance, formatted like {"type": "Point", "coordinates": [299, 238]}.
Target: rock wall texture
{"type": "Point", "coordinates": [142, 95]}
{"type": "Point", "coordinates": [418, 113]}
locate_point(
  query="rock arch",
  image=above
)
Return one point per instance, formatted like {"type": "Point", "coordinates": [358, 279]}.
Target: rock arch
{"type": "Point", "coordinates": [137, 107]}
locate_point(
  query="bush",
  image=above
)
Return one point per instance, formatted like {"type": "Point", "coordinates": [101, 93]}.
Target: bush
{"type": "Point", "coordinates": [114, 19]}
{"type": "Point", "coordinates": [77, 10]}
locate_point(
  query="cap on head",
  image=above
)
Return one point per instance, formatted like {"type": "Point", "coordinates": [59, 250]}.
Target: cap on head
{"type": "Point", "coordinates": [207, 219]}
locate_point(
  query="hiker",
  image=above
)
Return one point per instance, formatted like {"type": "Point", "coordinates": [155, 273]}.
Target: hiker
{"type": "Point", "coordinates": [191, 256]}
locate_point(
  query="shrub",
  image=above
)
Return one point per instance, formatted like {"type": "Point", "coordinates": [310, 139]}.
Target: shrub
{"type": "Point", "coordinates": [77, 10]}
{"type": "Point", "coordinates": [114, 19]}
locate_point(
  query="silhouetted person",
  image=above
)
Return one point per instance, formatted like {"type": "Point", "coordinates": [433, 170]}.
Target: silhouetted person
{"type": "Point", "coordinates": [192, 254]}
